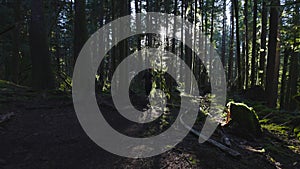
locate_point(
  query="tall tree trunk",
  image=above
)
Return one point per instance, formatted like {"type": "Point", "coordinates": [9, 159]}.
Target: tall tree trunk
{"type": "Point", "coordinates": [197, 64]}
{"type": "Point", "coordinates": [283, 79]}
{"type": "Point", "coordinates": [181, 43]}
{"type": "Point", "coordinates": [294, 74]}
{"type": "Point", "coordinates": [205, 41]}
{"type": "Point", "coordinates": [230, 60]}
{"type": "Point", "coordinates": [138, 25]}
{"type": "Point", "coordinates": [14, 60]}
{"type": "Point", "coordinates": [42, 75]}
{"type": "Point", "coordinates": [101, 13]}
{"type": "Point", "coordinates": [211, 36]}
{"type": "Point", "coordinates": [273, 57]}
{"type": "Point", "coordinates": [102, 71]}
{"type": "Point", "coordinates": [57, 51]}
{"type": "Point", "coordinates": [238, 50]}
{"type": "Point", "coordinates": [253, 59]}
{"type": "Point", "coordinates": [201, 2]}
{"type": "Point", "coordinates": [149, 8]}
{"type": "Point", "coordinates": [123, 47]}
{"type": "Point", "coordinates": [263, 40]}
{"type": "Point", "coordinates": [174, 26]}
{"type": "Point", "coordinates": [212, 21]}
{"type": "Point", "coordinates": [80, 29]}
{"type": "Point", "coordinates": [246, 44]}
{"type": "Point", "coordinates": [69, 60]}
{"type": "Point", "coordinates": [202, 71]}
{"type": "Point", "coordinates": [188, 52]}
{"type": "Point", "coordinates": [224, 34]}
{"type": "Point", "coordinates": [294, 70]}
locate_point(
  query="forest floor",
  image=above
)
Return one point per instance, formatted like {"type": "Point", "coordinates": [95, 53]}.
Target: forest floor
{"type": "Point", "coordinates": [41, 131]}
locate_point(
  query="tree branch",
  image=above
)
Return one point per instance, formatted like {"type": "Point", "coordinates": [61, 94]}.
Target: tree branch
{"type": "Point", "coordinates": [284, 5]}
{"type": "Point", "coordinates": [8, 29]}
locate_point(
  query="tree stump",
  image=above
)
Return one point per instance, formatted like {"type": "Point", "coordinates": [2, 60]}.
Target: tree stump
{"type": "Point", "coordinates": [243, 120]}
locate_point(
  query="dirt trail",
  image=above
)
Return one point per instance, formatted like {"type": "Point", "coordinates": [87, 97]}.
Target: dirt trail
{"type": "Point", "coordinates": [45, 134]}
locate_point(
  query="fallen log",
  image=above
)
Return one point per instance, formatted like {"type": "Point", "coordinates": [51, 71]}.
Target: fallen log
{"type": "Point", "coordinates": [211, 141]}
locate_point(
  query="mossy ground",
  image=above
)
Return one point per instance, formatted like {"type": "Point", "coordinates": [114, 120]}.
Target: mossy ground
{"type": "Point", "coordinates": [281, 139]}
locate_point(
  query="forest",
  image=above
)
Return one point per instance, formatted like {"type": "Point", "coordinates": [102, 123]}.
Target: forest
{"type": "Point", "coordinates": [236, 63]}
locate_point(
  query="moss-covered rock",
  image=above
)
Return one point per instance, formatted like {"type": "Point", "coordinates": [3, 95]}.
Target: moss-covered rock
{"type": "Point", "coordinates": [244, 120]}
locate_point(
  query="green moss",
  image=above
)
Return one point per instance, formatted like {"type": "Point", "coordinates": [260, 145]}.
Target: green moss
{"type": "Point", "coordinates": [283, 130]}
{"type": "Point", "coordinates": [262, 110]}
{"type": "Point", "coordinates": [297, 131]}
{"type": "Point", "coordinates": [264, 121]}
{"type": "Point", "coordinates": [192, 160]}
{"type": "Point", "coordinates": [293, 148]}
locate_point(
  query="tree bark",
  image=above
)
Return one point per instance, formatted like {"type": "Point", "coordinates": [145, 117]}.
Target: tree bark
{"type": "Point", "coordinates": [224, 34]}
{"type": "Point", "coordinates": [42, 75]}
{"type": "Point", "coordinates": [230, 60]}
{"type": "Point", "coordinates": [188, 52]}
{"type": "Point", "coordinates": [238, 50]}
{"type": "Point", "coordinates": [283, 79]}
{"type": "Point", "coordinates": [123, 45]}
{"type": "Point", "coordinates": [211, 36]}
{"type": "Point", "coordinates": [294, 70]}
{"type": "Point", "coordinates": [80, 29]}
{"type": "Point", "coordinates": [273, 57]}
{"type": "Point", "coordinates": [14, 60]}
{"type": "Point", "coordinates": [263, 48]}
{"type": "Point", "coordinates": [246, 45]}
{"type": "Point", "coordinates": [253, 59]}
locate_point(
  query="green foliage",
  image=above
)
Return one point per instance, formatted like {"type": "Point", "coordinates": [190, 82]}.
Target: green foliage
{"type": "Point", "coordinates": [65, 83]}
{"type": "Point", "coordinates": [192, 160]}
{"type": "Point", "coordinates": [278, 122]}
